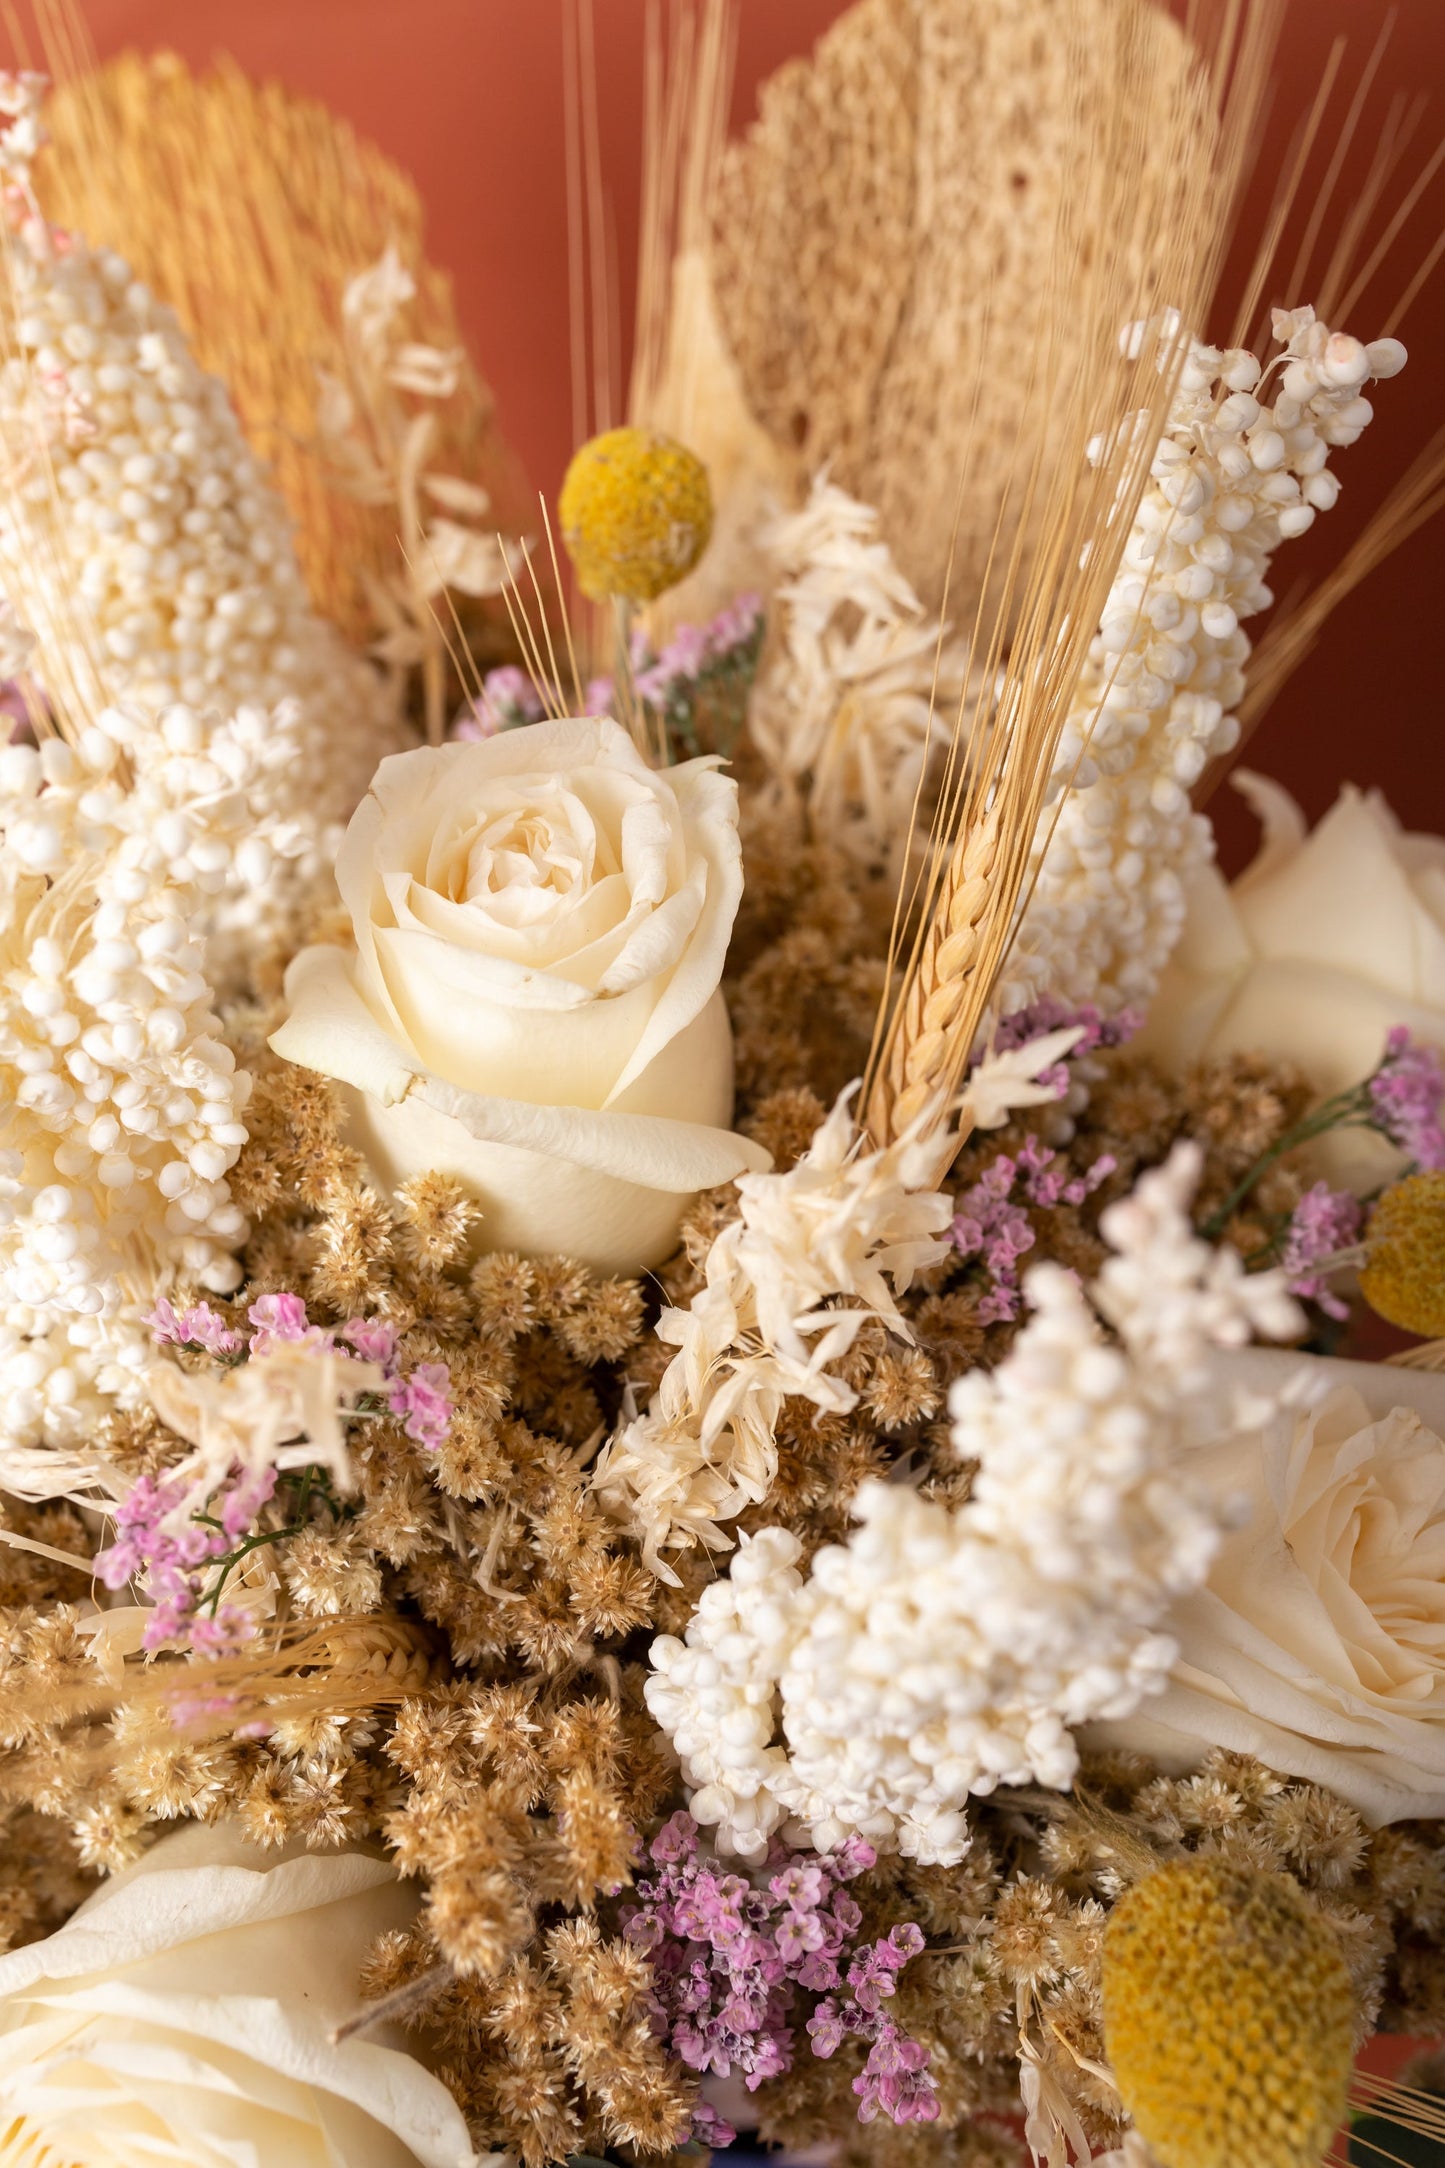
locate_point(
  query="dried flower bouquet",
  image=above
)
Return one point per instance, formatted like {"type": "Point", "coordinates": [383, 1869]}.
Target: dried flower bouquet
{"type": "Point", "coordinates": [641, 1496]}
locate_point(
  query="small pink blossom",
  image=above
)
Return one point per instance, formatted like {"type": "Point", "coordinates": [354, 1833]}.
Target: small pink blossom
{"type": "Point", "coordinates": [1324, 1222]}
{"type": "Point", "coordinates": [373, 1339]}
{"type": "Point", "coordinates": [1405, 1095]}
{"type": "Point", "coordinates": [423, 1401]}
{"type": "Point", "coordinates": [279, 1319]}
{"type": "Point", "coordinates": [729, 1962]}
{"type": "Point", "coordinates": [200, 1326]}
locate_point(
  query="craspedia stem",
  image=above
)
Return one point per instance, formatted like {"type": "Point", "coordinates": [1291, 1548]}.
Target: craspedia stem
{"type": "Point", "coordinates": [1228, 2017]}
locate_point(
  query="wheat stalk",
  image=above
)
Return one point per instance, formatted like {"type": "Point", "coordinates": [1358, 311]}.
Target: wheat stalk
{"type": "Point", "coordinates": [936, 991]}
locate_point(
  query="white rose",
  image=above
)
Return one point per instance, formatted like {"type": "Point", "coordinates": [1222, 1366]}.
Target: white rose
{"type": "Point", "coordinates": [184, 2013]}
{"type": "Point", "coordinates": [534, 1006]}
{"type": "Point", "coordinates": [1322, 944]}
{"type": "Point", "coordinates": [1318, 1644]}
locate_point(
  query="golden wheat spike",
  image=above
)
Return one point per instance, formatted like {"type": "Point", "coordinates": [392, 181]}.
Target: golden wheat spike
{"type": "Point", "coordinates": [249, 209]}
{"type": "Point", "coordinates": [1155, 162]}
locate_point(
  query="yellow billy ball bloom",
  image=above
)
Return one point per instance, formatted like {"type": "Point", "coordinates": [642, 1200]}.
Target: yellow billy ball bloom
{"type": "Point", "coordinates": [636, 511]}
{"type": "Point", "coordinates": [1404, 1278]}
{"type": "Point", "coordinates": [1227, 2017]}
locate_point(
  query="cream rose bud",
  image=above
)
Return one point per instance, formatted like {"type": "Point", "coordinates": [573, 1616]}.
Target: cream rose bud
{"type": "Point", "coordinates": [1323, 944]}
{"type": "Point", "coordinates": [1318, 1643]}
{"type": "Point", "coordinates": [534, 1006]}
{"type": "Point", "coordinates": [184, 2014]}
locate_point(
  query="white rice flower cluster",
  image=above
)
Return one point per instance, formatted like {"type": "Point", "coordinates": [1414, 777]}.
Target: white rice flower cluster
{"type": "Point", "coordinates": [813, 1255]}
{"type": "Point", "coordinates": [1241, 467]}
{"type": "Point", "coordinates": [122, 1106]}
{"type": "Point", "coordinates": [857, 688]}
{"type": "Point", "coordinates": [144, 547]}
{"type": "Point", "coordinates": [939, 1654]}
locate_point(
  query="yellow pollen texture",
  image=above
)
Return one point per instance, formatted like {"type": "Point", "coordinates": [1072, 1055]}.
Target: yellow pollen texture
{"type": "Point", "coordinates": [636, 510]}
{"type": "Point", "coordinates": [1404, 1278]}
{"type": "Point", "coordinates": [1228, 2017]}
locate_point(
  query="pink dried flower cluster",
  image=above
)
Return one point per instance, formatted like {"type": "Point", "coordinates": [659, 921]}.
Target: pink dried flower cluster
{"type": "Point", "coordinates": [1050, 1014]}
{"type": "Point", "coordinates": [179, 1552]}
{"type": "Point", "coordinates": [159, 1541]}
{"type": "Point", "coordinates": [731, 1961]}
{"type": "Point", "coordinates": [509, 698]}
{"type": "Point", "coordinates": [1323, 1223]}
{"type": "Point", "coordinates": [991, 1224]}
{"type": "Point", "coordinates": [696, 653]}
{"type": "Point", "coordinates": [423, 1401]}
{"type": "Point", "coordinates": [199, 1326]}
{"type": "Point", "coordinates": [1405, 1095]}
{"type": "Point", "coordinates": [722, 655]}
{"type": "Point", "coordinates": [421, 1397]}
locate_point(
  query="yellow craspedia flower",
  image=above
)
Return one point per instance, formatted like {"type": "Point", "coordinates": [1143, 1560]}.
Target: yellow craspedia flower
{"type": "Point", "coordinates": [636, 511]}
{"type": "Point", "coordinates": [1404, 1279]}
{"type": "Point", "coordinates": [1227, 2017]}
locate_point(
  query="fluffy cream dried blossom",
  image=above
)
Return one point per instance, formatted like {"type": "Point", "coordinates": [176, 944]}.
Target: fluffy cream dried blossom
{"type": "Point", "coordinates": [282, 1409]}
{"type": "Point", "coordinates": [147, 552]}
{"type": "Point", "coordinates": [123, 1105]}
{"type": "Point", "coordinates": [813, 1255]}
{"type": "Point", "coordinates": [938, 1654]}
{"type": "Point", "coordinates": [1236, 473]}
{"type": "Point", "coordinates": [859, 686]}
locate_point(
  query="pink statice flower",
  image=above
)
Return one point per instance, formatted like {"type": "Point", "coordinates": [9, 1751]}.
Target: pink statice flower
{"type": "Point", "coordinates": [507, 700]}
{"type": "Point", "coordinates": [277, 1318]}
{"type": "Point", "coordinates": [1325, 1222]}
{"type": "Point", "coordinates": [373, 1338]}
{"type": "Point", "coordinates": [224, 1635]}
{"type": "Point", "coordinates": [423, 1400]}
{"type": "Point", "coordinates": [172, 1552]}
{"type": "Point", "coordinates": [733, 1965]}
{"type": "Point", "coordinates": [991, 1226]}
{"type": "Point", "coordinates": [199, 1326]}
{"type": "Point", "coordinates": [1405, 1096]}
{"type": "Point", "coordinates": [1048, 1014]}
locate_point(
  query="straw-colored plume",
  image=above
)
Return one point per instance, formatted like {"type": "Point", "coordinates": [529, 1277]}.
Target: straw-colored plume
{"type": "Point", "coordinates": [249, 210]}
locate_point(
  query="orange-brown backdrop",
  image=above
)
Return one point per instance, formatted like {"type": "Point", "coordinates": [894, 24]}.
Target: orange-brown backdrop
{"type": "Point", "coordinates": [467, 94]}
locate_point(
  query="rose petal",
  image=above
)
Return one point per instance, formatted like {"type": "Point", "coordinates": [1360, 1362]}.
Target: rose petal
{"type": "Point", "coordinates": [1321, 1654]}
{"type": "Point", "coordinates": [330, 1026]}
{"type": "Point", "coordinates": [253, 1959]}
{"type": "Point", "coordinates": [709, 806]}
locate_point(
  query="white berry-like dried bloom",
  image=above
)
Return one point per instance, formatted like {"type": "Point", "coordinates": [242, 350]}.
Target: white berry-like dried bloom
{"type": "Point", "coordinates": [146, 551]}
{"type": "Point", "coordinates": [122, 1105]}
{"type": "Point", "coordinates": [857, 688]}
{"type": "Point", "coordinates": [1234, 475]}
{"type": "Point", "coordinates": [844, 1222]}
{"type": "Point", "coordinates": [937, 1654]}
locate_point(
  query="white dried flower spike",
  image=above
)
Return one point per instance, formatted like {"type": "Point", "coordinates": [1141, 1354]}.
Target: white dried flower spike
{"type": "Point", "coordinates": [125, 1105]}
{"type": "Point", "coordinates": [845, 1222]}
{"type": "Point", "coordinates": [145, 549]}
{"type": "Point", "coordinates": [1237, 472]}
{"type": "Point", "coordinates": [936, 1654]}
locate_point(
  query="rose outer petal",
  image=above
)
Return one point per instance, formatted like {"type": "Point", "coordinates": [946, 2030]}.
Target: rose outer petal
{"type": "Point", "coordinates": [606, 1187]}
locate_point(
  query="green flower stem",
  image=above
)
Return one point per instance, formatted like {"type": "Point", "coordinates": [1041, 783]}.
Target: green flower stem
{"type": "Point", "coordinates": [1343, 1111]}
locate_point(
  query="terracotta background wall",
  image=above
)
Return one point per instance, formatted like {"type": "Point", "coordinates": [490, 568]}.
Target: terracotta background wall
{"type": "Point", "coordinates": [467, 95]}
